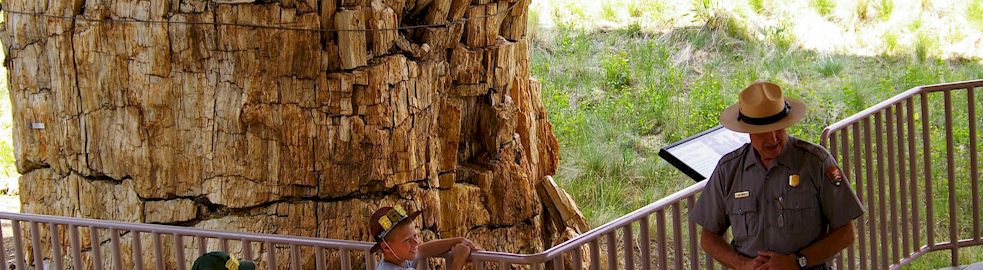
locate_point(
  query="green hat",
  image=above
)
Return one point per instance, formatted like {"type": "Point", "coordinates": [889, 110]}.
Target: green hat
{"type": "Point", "coordinates": [218, 260]}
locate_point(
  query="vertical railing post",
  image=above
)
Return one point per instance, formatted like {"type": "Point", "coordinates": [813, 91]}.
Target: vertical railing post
{"type": "Point", "coordinates": [951, 175]}
{"type": "Point", "coordinates": [628, 244]}
{"type": "Point", "coordinates": [660, 222]}
{"type": "Point", "coordinates": [644, 243]}
{"type": "Point", "coordinates": [974, 176]}
{"type": "Point", "coordinates": [612, 251]}
{"type": "Point", "coordinates": [871, 202]}
{"type": "Point", "coordinates": [677, 236]}
{"type": "Point", "coordinates": [694, 253]}
{"type": "Point", "coordinates": [294, 257]}
{"type": "Point", "coordinates": [137, 250]}
{"type": "Point", "coordinates": [271, 256]}
{"type": "Point", "coordinates": [927, 160]}
{"type": "Point", "coordinates": [881, 203]}
{"type": "Point", "coordinates": [903, 170]}
{"type": "Point", "coordinates": [158, 251]}
{"type": "Point", "coordinates": [913, 175]}
{"type": "Point", "coordinates": [179, 250]}
{"type": "Point", "coordinates": [892, 182]}
{"type": "Point", "coordinates": [595, 255]}
{"type": "Point", "coordinates": [76, 245]}
{"type": "Point", "coordinates": [37, 246]}
{"type": "Point", "coordinates": [18, 244]}
{"type": "Point", "coordinates": [319, 263]}
{"type": "Point", "coordinates": [56, 255]}
{"type": "Point", "coordinates": [578, 261]}
{"type": "Point", "coordinates": [115, 248]}
{"type": "Point", "coordinates": [96, 247]}
{"type": "Point", "coordinates": [858, 179]}
{"type": "Point", "coordinates": [845, 162]}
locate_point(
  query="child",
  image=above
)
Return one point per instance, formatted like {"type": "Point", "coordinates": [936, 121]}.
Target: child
{"type": "Point", "coordinates": [218, 260]}
{"type": "Point", "coordinates": [395, 235]}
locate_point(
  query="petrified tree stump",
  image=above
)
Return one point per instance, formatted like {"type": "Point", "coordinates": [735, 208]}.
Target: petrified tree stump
{"type": "Point", "coordinates": [294, 117]}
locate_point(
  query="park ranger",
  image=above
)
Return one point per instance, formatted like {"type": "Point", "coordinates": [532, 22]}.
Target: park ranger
{"type": "Point", "coordinates": [786, 201]}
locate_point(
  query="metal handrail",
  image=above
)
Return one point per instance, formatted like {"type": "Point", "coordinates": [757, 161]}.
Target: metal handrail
{"type": "Point", "coordinates": [895, 117]}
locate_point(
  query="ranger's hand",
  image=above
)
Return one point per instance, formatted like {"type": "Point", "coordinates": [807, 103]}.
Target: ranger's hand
{"type": "Point", "coordinates": [777, 261]}
{"type": "Point", "coordinates": [752, 264]}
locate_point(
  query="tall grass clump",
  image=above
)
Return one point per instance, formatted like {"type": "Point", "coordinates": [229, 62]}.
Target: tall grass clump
{"type": "Point", "coordinates": [890, 42]}
{"type": "Point", "coordinates": [824, 7]}
{"type": "Point", "coordinates": [609, 11]}
{"type": "Point", "coordinates": [885, 8]}
{"type": "Point", "coordinates": [863, 10]}
{"type": "Point", "coordinates": [828, 66]}
{"type": "Point", "coordinates": [924, 45]}
{"type": "Point", "coordinates": [617, 74]}
{"type": "Point", "coordinates": [758, 6]}
{"type": "Point", "coordinates": [779, 36]}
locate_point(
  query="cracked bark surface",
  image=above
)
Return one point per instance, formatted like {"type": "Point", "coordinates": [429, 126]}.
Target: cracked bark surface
{"type": "Point", "coordinates": [282, 131]}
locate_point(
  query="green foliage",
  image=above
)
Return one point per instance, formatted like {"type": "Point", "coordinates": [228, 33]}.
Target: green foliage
{"type": "Point", "coordinates": [824, 7]}
{"type": "Point", "coordinates": [758, 6]}
{"type": "Point", "coordinates": [890, 41]}
{"type": "Point", "coordinates": [974, 14]}
{"type": "Point", "coordinates": [646, 8]}
{"type": "Point", "coordinates": [609, 11]}
{"type": "Point", "coordinates": [703, 11]}
{"type": "Point", "coordinates": [885, 8]}
{"type": "Point", "coordinates": [617, 74]}
{"type": "Point", "coordinates": [779, 36]}
{"type": "Point", "coordinates": [924, 45]}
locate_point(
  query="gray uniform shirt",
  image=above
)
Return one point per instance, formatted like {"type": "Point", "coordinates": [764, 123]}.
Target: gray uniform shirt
{"type": "Point", "coordinates": [765, 210]}
{"type": "Point", "coordinates": [384, 265]}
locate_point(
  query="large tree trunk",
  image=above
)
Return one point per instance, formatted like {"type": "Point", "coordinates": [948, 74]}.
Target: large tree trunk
{"type": "Point", "coordinates": [180, 112]}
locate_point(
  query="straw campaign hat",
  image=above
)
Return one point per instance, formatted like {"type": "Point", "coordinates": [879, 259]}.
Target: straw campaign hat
{"type": "Point", "coordinates": [761, 107]}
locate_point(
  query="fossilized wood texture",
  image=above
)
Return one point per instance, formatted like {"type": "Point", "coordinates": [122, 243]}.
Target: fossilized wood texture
{"type": "Point", "coordinates": [178, 117]}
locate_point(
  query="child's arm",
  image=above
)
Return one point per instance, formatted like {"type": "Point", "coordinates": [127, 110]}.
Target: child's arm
{"type": "Point", "coordinates": [439, 247]}
{"type": "Point", "coordinates": [459, 247]}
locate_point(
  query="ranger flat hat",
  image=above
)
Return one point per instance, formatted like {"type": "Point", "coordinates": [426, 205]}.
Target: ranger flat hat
{"type": "Point", "coordinates": [760, 108]}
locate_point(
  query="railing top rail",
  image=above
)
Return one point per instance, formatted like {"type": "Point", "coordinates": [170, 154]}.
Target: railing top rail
{"type": "Point", "coordinates": [895, 99]}
{"type": "Point", "coordinates": [360, 245]}
{"type": "Point", "coordinates": [186, 231]}
{"type": "Point", "coordinates": [624, 220]}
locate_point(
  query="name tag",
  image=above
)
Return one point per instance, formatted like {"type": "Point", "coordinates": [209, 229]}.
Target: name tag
{"type": "Point", "coordinates": [742, 194]}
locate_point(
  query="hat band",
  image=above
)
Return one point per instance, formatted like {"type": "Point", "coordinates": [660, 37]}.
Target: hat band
{"type": "Point", "coordinates": [760, 121]}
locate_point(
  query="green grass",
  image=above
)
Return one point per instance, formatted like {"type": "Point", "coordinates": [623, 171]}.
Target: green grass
{"type": "Point", "coordinates": [616, 97]}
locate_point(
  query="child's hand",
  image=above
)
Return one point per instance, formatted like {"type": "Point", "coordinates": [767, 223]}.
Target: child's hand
{"type": "Point", "coordinates": [461, 252]}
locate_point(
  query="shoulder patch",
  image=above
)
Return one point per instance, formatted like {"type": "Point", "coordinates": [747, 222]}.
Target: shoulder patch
{"type": "Point", "coordinates": [834, 175]}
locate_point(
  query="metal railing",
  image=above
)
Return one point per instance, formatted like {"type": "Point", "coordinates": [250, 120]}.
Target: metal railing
{"type": "Point", "coordinates": [878, 148]}
{"type": "Point", "coordinates": [890, 151]}
{"type": "Point", "coordinates": [619, 244]}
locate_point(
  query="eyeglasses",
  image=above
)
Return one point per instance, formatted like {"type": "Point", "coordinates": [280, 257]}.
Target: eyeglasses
{"type": "Point", "coordinates": [391, 218]}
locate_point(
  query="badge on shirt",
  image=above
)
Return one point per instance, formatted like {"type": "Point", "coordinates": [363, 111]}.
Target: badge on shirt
{"type": "Point", "coordinates": [742, 194]}
{"type": "Point", "coordinates": [793, 180]}
{"type": "Point", "coordinates": [834, 175]}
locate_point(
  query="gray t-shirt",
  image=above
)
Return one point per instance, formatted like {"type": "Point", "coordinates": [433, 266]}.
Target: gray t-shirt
{"type": "Point", "coordinates": [766, 210]}
{"type": "Point", "coordinates": [384, 265]}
